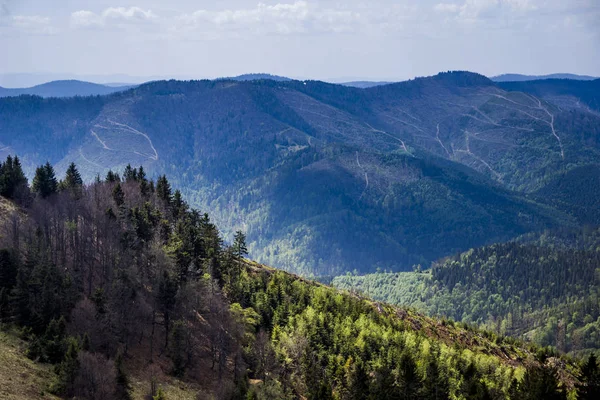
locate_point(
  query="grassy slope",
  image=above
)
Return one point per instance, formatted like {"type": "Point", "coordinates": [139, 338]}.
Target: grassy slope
{"type": "Point", "coordinates": [20, 377]}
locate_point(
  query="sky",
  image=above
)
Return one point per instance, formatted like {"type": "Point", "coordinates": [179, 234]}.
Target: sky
{"type": "Point", "coordinates": [130, 40]}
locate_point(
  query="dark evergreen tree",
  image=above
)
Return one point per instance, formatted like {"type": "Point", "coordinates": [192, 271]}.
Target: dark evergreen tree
{"type": "Point", "coordinates": [167, 298]}
{"type": "Point", "coordinates": [112, 177]}
{"type": "Point", "coordinates": [67, 369]}
{"type": "Point", "coordinates": [118, 195]}
{"type": "Point", "coordinates": [130, 174]}
{"type": "Point", "coordinates": [44, 183]}
{"type": "Point", "coordinates": [8, 270]}
{"type": "Point", "coordinates": [178, 206]}
{"type": "Point", "coordinates": [163, 189]}
{"type": "Point", "coordinates": [540, 383]}
{"type": "Point", "coordinates": [409, 381]}
{"type": "Point", "coordinates": [123, 391]}
{"type": "Point", "coordinates": [239, 245]}
{"type": "Point", "coordinates": [435, 384]}
{"type": "Point", "coordinates": [144, 186]}
{"type": "Point", "coordinates": [72, 177]}
{"type": "Point", "coordinates": [178, 346]}
{"type": "Point", "coordinates": [12, 178]}
{"type": "Point", "coordinates": [589, 388]}
{"type": "Point", "coordinates": [73, 181]}
{"type": "Point", "coordinates": [358, 381]}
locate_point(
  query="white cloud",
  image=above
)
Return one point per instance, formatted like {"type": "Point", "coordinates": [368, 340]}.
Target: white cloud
{"type": "Point", "coordinates": [472, 10]}
{"type": "Point", "coordinates": [112, 15]}
{"type": "Point", "coordinates": [85, 19]}
{"type": "Point", "coordinates": [26, 24]}
{"type": "Point", "coordinates": [446, 8]}
{"type": "Point", "coordinates": [281, 18]}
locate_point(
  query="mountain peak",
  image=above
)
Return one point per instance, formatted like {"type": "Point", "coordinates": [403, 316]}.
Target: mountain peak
{"type": "Point", "coordinates": [463, 78]}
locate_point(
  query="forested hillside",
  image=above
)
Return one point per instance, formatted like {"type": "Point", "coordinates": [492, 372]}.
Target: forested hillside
{"type": "Point", "coordinates": [545, 288]}
{"type": "Point", "coordinates": [122, 287]}
{"type": "Point", "coordinates": [327, 179]}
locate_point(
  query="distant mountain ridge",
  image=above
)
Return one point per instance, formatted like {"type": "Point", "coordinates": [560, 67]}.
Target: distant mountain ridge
{"type": "Point", "coordinates": [256, 77]}
{"type": "Point", "coordinates": [326, 178]}
{"type": "Point", "coordinates": [65, 88]}
{"type": "Point", "coordinates": [522, 78]}
{"type": "Point", "coordinates": [365, 84]}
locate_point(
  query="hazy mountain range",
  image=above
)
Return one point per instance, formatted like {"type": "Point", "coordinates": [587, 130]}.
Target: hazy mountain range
{"type": "Point", "coordinates": [521, 78]}
{"type": "Point", "coordinates": [327, 178]}
{"type": "Point", "coordinates": [101, 85]}
{"type": "Point", "coordinates": [68, 88]}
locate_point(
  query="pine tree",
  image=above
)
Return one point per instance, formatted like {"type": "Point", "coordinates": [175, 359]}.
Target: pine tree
{"type": "Point", "coordinates": [408, 378]}
{"type": "Point", "coordinates": [239, 244]}
{"type": "Point", "coordinates": [239, 250]}
{"type": "Point", "coordinates": [130, 174]}
{"type": "Point", "coordinates": [45, 183]}
{"type": "Point", "coordinates": [178, 347]}
{"type": "Point", "coordinates": [590, 380]}
{"type": "Point", "coordinates": [540, 383]}
{"type": "Point", "coordinates": [141, 177]}
{"type": "Point", "coordinates": [357, 381]}
{"type": "Point", "coordinates": [72, 181]}
{"type": "Point", "coordinates": [67, 369]}
{"type": "Point", "coordinates": [112, 177]}
{"type": "Point", "coordinates": [118, 195]}
{"type": "Point", "coordinates": [167, 297]}
{"type": "Point", "coordinates": [73, 177]}
{"type": "Point", "coordinates": [179, 206]}
{"type": "Point", "coordinates": [12, 177]}
{"type": "Point", "coordinates": [163, 189]}
{"type": "Point", "coordinates": [123, 391]}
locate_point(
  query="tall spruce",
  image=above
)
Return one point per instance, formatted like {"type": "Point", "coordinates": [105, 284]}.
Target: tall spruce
{"type": "Point", "coordinates": [590, 379]}
{"type": "Point", "coordinates": [44, 183]}
{"type": "Point", "coordinates": [12, 177]}
{"type": "Point", "coordinates": [163, 189]}
{"type": "Point", "coordinates": [73, 181]}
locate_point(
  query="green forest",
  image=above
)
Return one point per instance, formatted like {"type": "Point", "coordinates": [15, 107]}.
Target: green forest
{"type": "Point", "coordinates": [104, 281]}
{"type": "Point", "coordinates": [540, 287]}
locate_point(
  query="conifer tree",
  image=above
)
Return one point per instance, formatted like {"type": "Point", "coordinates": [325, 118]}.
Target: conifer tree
{"type": "Point", "coordinates": [163, 189]}
{"type": "Point", "coordinates": [130, 174]}
{"type": "Point", "coordinates": [435, 385]}
{"type": "Point", "coordinates": [73, 177]}
{"type": "Point", "coordinates": [73, 181]}
{"type": "Point", "coordinates": [118, 195]}
{"type": "Point", "coordinates": [239, 245]}
{"type": "Point", "coordinates": [45, 183]}
{"type": "Point", "coordinates": [123, 391]}
{"type": "Point", "coordinates": [67, 369]}
{"type": "Point", "coordinates": [178, 204]}
{"type": "Point", "coordinates": [409, 380]}
{"type": "Point", "coordinates": [167, 297]}
{"type": "Point", "coordinates": [590, 379]}
{"type": "Point", "coordinates": [540, 383]}
{"type": "Point", "coordinates": [239, 249]}
{"type": "Point", "coordinates": [11, 177]}
{"type": "Point", "coordinates": [112, 177]}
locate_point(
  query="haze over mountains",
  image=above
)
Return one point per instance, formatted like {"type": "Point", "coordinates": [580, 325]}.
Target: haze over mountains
{"type": "Point", "coordinates": [522, 78]}
{"type": "Point", "coordinates": [100, 85]}
{"type": "Point", "coordinates": [67, 88]}
{"type": "Point", "coordinates": [327, 178]}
